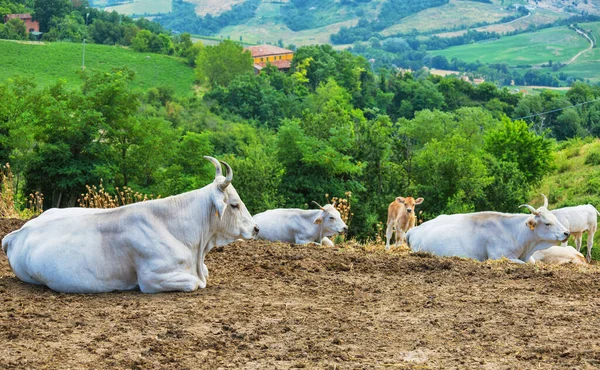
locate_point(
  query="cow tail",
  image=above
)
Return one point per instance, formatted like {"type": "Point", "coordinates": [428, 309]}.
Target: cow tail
{"type": "Point", "coordinates": [598, 213]}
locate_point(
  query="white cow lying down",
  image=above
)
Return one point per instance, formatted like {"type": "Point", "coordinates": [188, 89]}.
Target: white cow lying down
{"type": "Point", "coordinates": [558, 255]}
{"type": "Point", "coordinates": [488, 235]}
{"type": "Point", "coordinates": [158, 245]}
{"type": "Point", "coordinates": [300, 226]}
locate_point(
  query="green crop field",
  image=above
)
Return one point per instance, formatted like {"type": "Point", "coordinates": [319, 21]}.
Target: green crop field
{"type": "Point", "coordinates": [48, 62]}
{"type": "Point", "coordinates": [142, 7]}
{"type": "Point", "coordinates": [558, 44]}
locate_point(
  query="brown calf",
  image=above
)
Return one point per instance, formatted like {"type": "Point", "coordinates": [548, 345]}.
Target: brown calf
{"type": "Point", "coordinates": [401, 218]}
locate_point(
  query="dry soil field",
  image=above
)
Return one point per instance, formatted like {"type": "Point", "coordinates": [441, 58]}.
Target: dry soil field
{"type": "Point", "coordinates": [279, 306]}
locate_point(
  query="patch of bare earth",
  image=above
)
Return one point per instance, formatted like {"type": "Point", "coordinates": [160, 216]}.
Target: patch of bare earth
{"type": "Point", "coordinates": [279, 306]}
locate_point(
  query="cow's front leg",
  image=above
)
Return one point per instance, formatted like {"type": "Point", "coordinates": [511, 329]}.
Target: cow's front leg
{"type": "Point", "coordinates": [173, 281]}
{"type": "Point", "coordinates": [388, 234]}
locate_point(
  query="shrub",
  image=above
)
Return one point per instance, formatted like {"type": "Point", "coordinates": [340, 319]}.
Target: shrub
{"type": "Point", "coordinates": [593, 158]}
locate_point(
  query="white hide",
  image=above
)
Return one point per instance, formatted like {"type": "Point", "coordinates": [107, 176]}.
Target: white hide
{"type": "Point", "coordinates": [558, 255]}
{"type": "Point", "coordinates": [487, 235]}
{"type": "Point", "coordinates": [578, 220]}
{"type": "Point", "coordinates": [157, 245]}
{"type": "Point", "coordinates": [299, 226]}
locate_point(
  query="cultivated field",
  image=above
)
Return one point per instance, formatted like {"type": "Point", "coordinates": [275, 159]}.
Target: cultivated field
{"type": "Point", "coordinates": [280, 306]}
{"type": "Point", "coordinates": [46, 63]}
{"type": "Point", "coordinates": [558, 44]}
{"type": "Point", "coordinates": [142, 7]}
{"type": "Point", "coordinates": [455, 13]}
{"type": "Point", "coordinates": [537, 17]}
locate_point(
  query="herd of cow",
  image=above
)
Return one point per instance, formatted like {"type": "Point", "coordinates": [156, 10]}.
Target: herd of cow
{"type": "Point", "coordinates": [160, 245]}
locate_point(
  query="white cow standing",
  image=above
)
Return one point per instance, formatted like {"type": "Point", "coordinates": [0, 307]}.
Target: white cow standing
{"type": "Point", "coordinates": [488, 235]}
{"type": "Point", "coordinates": [158, 245]}
{"type": "Point", "coordinates": [300, 226]}
{"type": "Point", "coordinates": [578, 220]}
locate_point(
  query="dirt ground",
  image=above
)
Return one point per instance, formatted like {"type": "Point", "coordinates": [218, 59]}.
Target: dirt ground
{"type": "Point", "coordinates": [279, 306]}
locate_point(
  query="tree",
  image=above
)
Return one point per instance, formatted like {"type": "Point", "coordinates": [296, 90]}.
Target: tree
{"type": "Point", "coordinates": [513, 141]}
{"type": "Point", "coordinates": [14, 29]}
{"type": "Point", "coordinates": [45, 10]}
{"type": "Point", "coordinates": [218, 65]}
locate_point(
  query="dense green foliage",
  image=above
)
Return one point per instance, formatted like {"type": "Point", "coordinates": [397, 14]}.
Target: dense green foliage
{"type": "Point", "coordinates": [328, 127]}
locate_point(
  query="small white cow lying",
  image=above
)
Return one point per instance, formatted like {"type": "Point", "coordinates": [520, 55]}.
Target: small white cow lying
{"type": "Point", "coordinates": [158, 245]}
{"type": "Point", "coordinates": [558, 255]}
{"type": "Point", "coordinates": [300, 226]}
{"type": "Point", "coordinates": [578, 220]}
{"type": "Point", "coordinates": [488, 235]}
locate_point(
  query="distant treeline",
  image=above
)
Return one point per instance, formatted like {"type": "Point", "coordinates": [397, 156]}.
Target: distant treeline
{"type": "Point", "coordinates": [183, 18]}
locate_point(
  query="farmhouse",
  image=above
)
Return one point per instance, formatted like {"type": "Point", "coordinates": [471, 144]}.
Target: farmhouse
{"type": "Point", "coordinates": [263, 54]}
{"type": "Point", "coordinates": [30, 24]}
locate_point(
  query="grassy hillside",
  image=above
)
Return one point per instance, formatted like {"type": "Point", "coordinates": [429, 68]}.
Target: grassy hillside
{"type": "Point", "coordinates": [48, 62]}
{"type": "Point", "coordinates": [455, 13]}
{"type": "Point", "coordinates": [575, 181]}
{"type": "Point", "coordinates": [558, 44]}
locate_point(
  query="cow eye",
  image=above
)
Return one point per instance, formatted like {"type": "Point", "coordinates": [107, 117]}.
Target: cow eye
{"type": "Point", "coordinates": [235, 206]}
{"type": "Point", "coordinates": [548, 224]}
{"type": "Point", "coordinates": [331, 217]}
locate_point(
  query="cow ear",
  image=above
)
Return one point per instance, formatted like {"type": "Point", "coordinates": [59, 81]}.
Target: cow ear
{"type": "Point", "coordinates": [319, 218]}
{"type": "Point", "coordinates": [400, 200]}
{"type": "Point", "coordinates": [419, 200]}
{"type": "Point", "coordinates": [531, 223]}
{"type": "Point", "coordinates": [220, 205]}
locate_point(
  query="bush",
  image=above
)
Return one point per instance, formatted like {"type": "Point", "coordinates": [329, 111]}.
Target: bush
{"type": "Point", "coordinates": [593, 159]}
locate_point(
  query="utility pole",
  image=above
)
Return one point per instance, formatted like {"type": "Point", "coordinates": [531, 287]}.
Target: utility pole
{"type": "Point", "coordinates": [83, 54]}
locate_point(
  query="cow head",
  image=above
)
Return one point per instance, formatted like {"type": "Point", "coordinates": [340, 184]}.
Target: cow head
{"type": "Point", "coordinates": [330, 220]}
{"type": "Point", "coordinates": [234, 220]}
{"type": "Point", "coordinates": [409, 203]}
{"type": "Point", "coordinates": [545, 224]}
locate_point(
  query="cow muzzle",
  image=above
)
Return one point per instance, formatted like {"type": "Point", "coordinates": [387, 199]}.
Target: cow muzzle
{"type": "Point", "coordinates": [566, 233]}
{"type": "Point", "coordinates": [255, 231]}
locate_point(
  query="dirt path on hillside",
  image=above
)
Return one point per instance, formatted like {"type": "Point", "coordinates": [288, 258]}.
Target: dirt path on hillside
{"type": "Point", "coordinates": [279, 306]}
{"type": "Point", "coordinates": [583, 51]}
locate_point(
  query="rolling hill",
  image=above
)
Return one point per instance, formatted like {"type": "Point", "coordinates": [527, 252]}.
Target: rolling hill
{"type": "Point", "coordinates": [45, 63]}
{"type": "Point", "coordinates": [575, 180]}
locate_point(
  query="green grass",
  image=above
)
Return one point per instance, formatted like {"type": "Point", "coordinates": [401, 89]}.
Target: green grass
{"type": "Point", "coordinates": [48, 62]}
{"type": "Point", "coordinates": [141, 7]}
{"type": "Point", "coordinates": [558, 44]}
{"type": "Point", "coordinates": [575, 180]}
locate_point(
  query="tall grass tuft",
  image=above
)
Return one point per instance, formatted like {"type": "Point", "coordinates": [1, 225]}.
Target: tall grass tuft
{"type": "Point", "coordinates": [9, 207]}
{"type": "Point", "coordinates": [98, 197]}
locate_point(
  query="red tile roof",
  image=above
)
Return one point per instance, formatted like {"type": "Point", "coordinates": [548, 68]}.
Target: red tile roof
{"type": "Point", "coordinates": [266, 50]}
{"type": "Point", "coordinates": [20, 16]}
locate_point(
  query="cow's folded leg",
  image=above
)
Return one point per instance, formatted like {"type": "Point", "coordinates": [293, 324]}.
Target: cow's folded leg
{"type": "Point", "coordinates": [174, 281]}
{"type": "Point", "coordinates": [516, 260]}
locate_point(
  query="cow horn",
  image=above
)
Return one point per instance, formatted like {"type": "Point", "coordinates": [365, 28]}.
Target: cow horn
{"type": "Point", "coordinates": [545, 201]}
{"type": "Point", "coordinates": [533, 210]}
{"type": "Point", "coordinates": [320, 206]}
{"type": "Point", "coordinates": [219, 171]}
{"type": "Point", "coordinates": [228, 176]}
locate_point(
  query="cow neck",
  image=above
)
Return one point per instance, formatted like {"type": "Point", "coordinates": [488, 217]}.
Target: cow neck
{"type": "Point", "coordinates": [188, 217]}
{"type": "Point", "coordinates": [525, 236]}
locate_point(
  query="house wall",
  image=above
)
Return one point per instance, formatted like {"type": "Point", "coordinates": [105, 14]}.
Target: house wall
{"type": "Point", "coordinates": [272, 58]}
